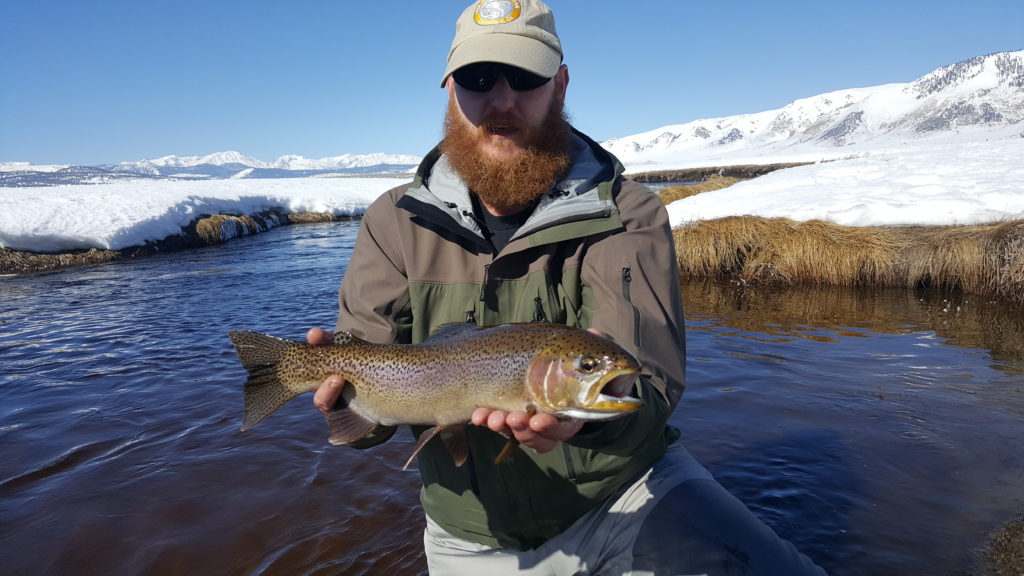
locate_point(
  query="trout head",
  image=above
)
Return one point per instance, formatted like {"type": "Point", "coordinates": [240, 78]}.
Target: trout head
{"type": "Point", "coordinates": [584, 376]}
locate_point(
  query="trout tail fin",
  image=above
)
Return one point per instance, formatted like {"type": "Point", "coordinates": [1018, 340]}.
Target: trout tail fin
{"type": "Point", "coordinates": [264, 391]}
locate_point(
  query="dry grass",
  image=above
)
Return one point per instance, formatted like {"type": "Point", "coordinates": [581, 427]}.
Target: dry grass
{"type": "Point", "coordinates": [987, 259]}
{"type": "Point", "coordinates": [974, 259]}
{"type": "Point", "coordinates": [16, 262]}
{"type": "Point", "coordinates": [670, 194]}
{"type": "Point", "coordinates": [220, 227]}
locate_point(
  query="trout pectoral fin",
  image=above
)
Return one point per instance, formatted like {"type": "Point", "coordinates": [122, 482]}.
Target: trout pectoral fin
{"type": "Point", "coordinates": [454, 438]}
{"type": "Point", "coordinates": [346, 426]}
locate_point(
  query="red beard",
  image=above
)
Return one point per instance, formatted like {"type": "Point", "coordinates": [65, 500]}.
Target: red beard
{"type": "Point", "coordinates": [513, 184]}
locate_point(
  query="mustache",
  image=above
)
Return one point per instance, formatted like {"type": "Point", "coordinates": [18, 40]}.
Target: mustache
{"type": "Point", "coordinates": [502, 120]}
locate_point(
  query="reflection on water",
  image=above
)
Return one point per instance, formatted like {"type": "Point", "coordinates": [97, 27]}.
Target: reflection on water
{"type": "Point", "coordinates": [875, 429]}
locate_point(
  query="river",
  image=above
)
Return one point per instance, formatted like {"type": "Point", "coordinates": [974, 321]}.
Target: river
{"type": "Point", "coordinates": [877, 429]}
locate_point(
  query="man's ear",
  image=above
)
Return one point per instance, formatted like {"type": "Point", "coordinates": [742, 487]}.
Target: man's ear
{"type": "Point", "coordinates": [561, 79]}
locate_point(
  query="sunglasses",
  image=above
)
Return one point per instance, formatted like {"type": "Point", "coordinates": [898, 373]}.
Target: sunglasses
{"type": "Point", "coordinates": [480, 77]}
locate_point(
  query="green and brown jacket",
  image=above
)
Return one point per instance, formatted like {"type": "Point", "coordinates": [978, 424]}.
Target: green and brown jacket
{"type": "Point", "coordinates": [598, 252]}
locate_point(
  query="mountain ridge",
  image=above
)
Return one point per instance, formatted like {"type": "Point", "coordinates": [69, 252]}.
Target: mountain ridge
{"type": "Point", "coordinates": [981, 94]}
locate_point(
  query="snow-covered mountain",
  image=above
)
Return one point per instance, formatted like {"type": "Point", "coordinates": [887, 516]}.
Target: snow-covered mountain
{"type": "Point", "coordinates": [977, 96]}
{"type": "Point", "coordinates": [230, 164]}
{"type": "Point", "coordinates": [288, 162]}
{"type": "Point", "coordinates": [218, 159]}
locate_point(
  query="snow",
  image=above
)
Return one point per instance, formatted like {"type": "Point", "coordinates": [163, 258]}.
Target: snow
{"type": "Point", "coordinates": [124, 214]}
{"type": "Point", "coordinates": [20, 166]}
{"type": "Point", "coordinates": [940, 182]}
{"type": "Point", "coordinates": [930, 184]}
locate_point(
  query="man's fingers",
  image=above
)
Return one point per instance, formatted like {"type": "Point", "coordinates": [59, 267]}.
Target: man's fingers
{"type": "Point", "coordinates": [328, 392]}
{"type": "Point", "coordinates": [479, 417]}
{"type": "Point", "coordinates": [319, 337]}
{"type": "Point", "coordinates": [497, 421]}
{"type": "Point", "coordinates": [558, 429]}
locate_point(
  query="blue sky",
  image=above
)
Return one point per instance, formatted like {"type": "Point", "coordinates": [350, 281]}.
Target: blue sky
{"type": "Point", "coordinates": [106, 81]}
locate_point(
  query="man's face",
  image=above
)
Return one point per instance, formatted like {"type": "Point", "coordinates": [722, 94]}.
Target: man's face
{"type": "Point", "coordinates": [508, 146]}
{"type": "Point", "coordinates": [507, 121]}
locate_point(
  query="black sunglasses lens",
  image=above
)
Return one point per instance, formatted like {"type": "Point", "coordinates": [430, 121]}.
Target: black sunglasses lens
{"type": "Point", "coordinates": [521, 80]}
{"type": "Point", "coordinates": [476, 77]}
{"type": "Point", "coordinates": [481, 77]}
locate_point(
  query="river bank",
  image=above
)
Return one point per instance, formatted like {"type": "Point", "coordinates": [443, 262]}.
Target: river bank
{"type": "Point", "coordinates": [204, 231]}
{"type": "Point", "coordinates": [984, 260]}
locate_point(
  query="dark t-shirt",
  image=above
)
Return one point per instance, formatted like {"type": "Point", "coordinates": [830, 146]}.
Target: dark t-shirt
{"type": "Point", "coordinates": [499, 229]}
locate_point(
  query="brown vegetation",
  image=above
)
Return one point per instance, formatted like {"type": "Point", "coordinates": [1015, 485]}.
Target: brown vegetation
{"type": "Point", "coordinates": [974, 259]}
{"type": "Point", "coordinates": [987, 259]}
{"type": "Point", "coordinates": [670, 194]}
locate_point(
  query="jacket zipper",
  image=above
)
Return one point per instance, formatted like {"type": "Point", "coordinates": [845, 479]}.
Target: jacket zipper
{"type": "Point", "coordinates": [483, 286]}
{"type": "Point", "coordinates": [627, 278]}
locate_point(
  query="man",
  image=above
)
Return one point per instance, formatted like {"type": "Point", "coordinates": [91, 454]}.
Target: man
{"type": "Point", "coordinates": [517, 217]}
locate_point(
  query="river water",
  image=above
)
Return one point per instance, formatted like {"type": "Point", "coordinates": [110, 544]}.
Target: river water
{"type": "Point", "coordinates": [878, 430]}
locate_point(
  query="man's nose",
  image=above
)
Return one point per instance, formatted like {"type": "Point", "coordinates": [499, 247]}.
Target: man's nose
{"type": "Point", "coordinates": [501, 95]}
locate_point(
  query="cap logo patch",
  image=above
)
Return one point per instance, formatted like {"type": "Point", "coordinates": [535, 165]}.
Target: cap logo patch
{"type": "Point", "coordinates": [491, 12]}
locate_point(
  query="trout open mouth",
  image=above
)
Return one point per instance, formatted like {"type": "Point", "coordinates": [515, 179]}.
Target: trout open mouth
{"type": "Point", "coordinates": [610, 400]}
{"type": "Point", "coordinates": [619, 386]}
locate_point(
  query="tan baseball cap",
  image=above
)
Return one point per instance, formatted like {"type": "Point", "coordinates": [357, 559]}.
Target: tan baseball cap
{"type": "Point", "coordinates": [519, 33]}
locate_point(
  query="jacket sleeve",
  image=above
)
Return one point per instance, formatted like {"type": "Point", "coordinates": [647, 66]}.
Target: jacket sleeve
{"type": "Point", "coordinates": [374, 296]}
{"type": "Point", "coordinates": [632, 294]}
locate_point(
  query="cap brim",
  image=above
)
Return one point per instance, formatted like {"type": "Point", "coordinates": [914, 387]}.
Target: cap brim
{"type": "Point", "coordinates": [526, 53]}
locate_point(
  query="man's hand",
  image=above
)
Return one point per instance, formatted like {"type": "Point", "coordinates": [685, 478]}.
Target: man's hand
{"type": "Point", "coordinates": [328, 392]}
{"type": "Point", "coordinates": [540, 432]}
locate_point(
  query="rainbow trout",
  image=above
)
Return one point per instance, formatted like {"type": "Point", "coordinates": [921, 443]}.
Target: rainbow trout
{"type": "Point", "coordinates": [534, 367]}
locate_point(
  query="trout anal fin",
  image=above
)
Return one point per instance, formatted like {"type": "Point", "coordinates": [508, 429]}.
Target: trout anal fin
{"type": "Point", "coordinates": [455, 441]}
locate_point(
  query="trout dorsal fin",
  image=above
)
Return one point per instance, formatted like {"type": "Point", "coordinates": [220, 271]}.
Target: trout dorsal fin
{"type": "Point", "coordinates": [453, 330]}
{"type": "Point", "coordinates": [342, 338]}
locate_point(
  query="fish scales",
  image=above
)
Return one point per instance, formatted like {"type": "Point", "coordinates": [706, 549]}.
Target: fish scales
{"type": "Point", "coordinates": [531, 367]}
{"type": "Point", "coordinates": [430, 384]}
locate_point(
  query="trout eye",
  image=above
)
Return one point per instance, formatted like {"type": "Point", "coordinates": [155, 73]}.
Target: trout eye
{"type": "Point", "coordinates": [588, 364]}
